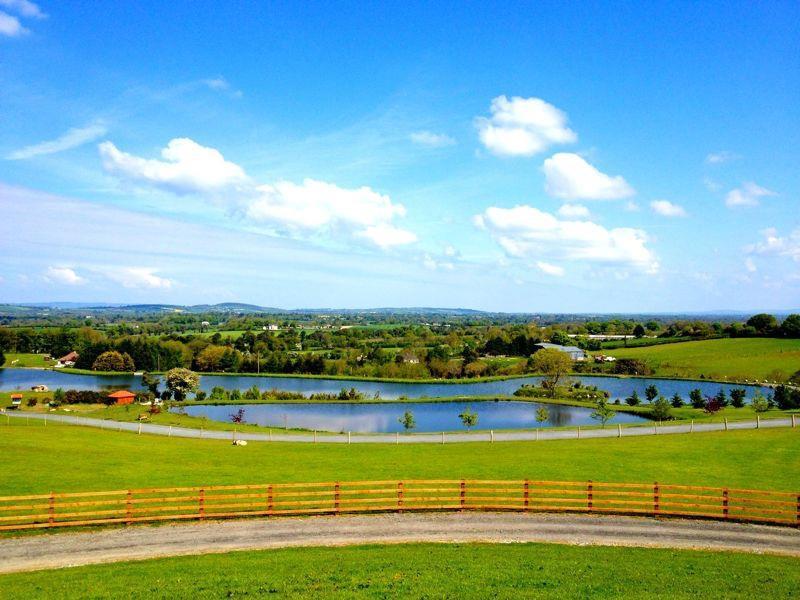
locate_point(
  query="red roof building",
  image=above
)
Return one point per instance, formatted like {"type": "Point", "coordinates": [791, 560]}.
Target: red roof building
{"type": "Point", "coordinates": [123, 397]}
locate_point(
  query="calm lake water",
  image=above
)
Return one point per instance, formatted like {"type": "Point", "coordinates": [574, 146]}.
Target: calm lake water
{"type": "Point", "coordinates": [383, 418]}
{"type": "Point", "coordinates": [23, 379]}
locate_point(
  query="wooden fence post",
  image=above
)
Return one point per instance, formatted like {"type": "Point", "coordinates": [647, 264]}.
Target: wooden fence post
{"type": "Point", "coordinates": [758, 421]}
{"type": "Point", "coordinates": [140, 429]}
{"type": "Point", "coordinates": [793, 422]}
{"type": "Point", "coordinates": [51, 509]}
{"type": "Point", "coordinates": [537, 434]}
{"type": "Point", "coordinates": [129, 508]}
{"type": "Point", "coordinates": [725, 503]}
{"type": "Point", "coordinates": [443, 437]}
{"type": "Point", "coordinates": [589, 496]}
{"type": "Point", "coordinates": [270, 434]}
{"type": "Point", "coordinates": [463, 494]}
{"type": "Point", "coordinates": [400, 496]}
{"type": "Point", "coordinates": [397, 437]}
{"type": "Point", "coordinates": [201, 504]}
{"type": "Point", "coordinates": [315, 436]}
{"type": "Point", "coordinates": [526, 494]}
{"type": "Point", "coordinates": [656, 498]}
{"type": "Point", "coordinates": [348, 438]}
{"type": "Point", "coordinates": [336, 498]}
{"type": "Point", "coordinates": [491, 436]}
{"type": "Point", "coordinates": [691, 427]}
{"type": "Point", "coordinates": [619, 430]}
{"type": "Point", "coordinates": [270, 504]}
{"type": "Point", "coordinates": [726, 423]}
{"type": "Point", "coordinates": [169, 433]}
{"type": "Point", "coordinates": [579, 432]}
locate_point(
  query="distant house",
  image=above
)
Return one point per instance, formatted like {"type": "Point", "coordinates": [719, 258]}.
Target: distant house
{"type": "Point", "coordinates": [574, 352]}
{"type": "Point", "coordinates": [600, 358]}
{"type": "Point", "coordinates": [67, 361]}
{"type": "Point", "coordinates": [272, 327]}
{"type": "Point", "coordinates": [16, 400]}
{"type": "Point", "coordinates": [122, 397]}
{"type": "Point", "coordinates": [409, 357]}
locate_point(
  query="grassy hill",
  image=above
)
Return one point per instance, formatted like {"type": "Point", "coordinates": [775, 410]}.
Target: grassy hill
{"type": "Point", "coordinates": [732, 358]}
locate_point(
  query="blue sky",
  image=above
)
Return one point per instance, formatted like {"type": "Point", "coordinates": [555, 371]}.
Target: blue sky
{"type": "Point", "coordinates": [592, 157]}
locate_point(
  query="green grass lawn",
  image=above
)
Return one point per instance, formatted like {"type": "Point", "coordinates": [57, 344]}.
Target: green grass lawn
{"type": "Point", "coordinates": [39, 459]}
{"type": "Point", "coordinates": [27, 360]}
{"type": "Point", "coordinates": [426, 571]}
{"type": "Point", "coordinates": [732, 358]}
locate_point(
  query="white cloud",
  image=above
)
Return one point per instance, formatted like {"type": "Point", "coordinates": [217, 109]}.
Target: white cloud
{"type": "Point", "coordinates": [723, 156]}
{"type": "Point", "coordinates": [523, 127]}
{"type": "Point", "coordinates": [25, 8]}
{"type": "Point", "coordinates": [73, 138]}
{"type": "Point", "coordinates": [434, 140]}
{"type": "Point", "coordinates": [137, 277]}
{"type": "Point", "coordinates": [451, 251]}
{"type": "Point", "coordinates": [220, 84]}
{"type": "Point", "coordinates": [750, 265]}
{"type": "Point", "coordinates": [711, 185]}
{"type": "Point", "coordinates": [10, 25]}
{"type": "Point", "coordinates": [570, 177]}
{"type": "Point", "coordinates": [665, 208]}
{"type": "Point", "coordinates": [573, 211]}
{"type": "Point", "coordinates": [549, 269]}
{"type": "Point", "coordinates": [63, 275]}
{"type": "Point", "coordinates": [187, 168]}
{"type": "Point", "coordinates": [527, 232]}
{"type": "Point", "coordinates": [777, 245]}
{"type": "Point", "coordinates": [631, 206]}
{"type": "Point", "coordinates": [309, 207]}
{"type": "Point", "coordinates": [747, 195]}
{"type": "Point", "coordinates": [432, 264]}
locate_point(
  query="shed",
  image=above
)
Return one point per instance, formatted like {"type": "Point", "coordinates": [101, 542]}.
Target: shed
{"type": "Point", "coordinates": [574, 352]}
{"type": "Point", "coordinates": [16, 400]}
{"type": "Point", "coordinates": [123, 397]}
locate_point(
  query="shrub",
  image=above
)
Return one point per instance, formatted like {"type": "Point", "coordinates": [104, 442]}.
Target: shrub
{"type": "Point", "coordinates": [633, 399]}
{"type": "Point", "coordinates": [651, 393]}
{"type": "Point", "coordinates": [31, 402]}
{"type": "Point", "coordinates": [721, 398]}
{"type": "Point", "coordinates": [200, 396]}
{"type": "Point", "coordinates": [677, 401]}
{"type": "Point", "coordinates": [712, 406]}
{"type": "Point", "coordinates": [238, 416]}
{"type": "Point", "coordinates": [696, 399]}
{"type": "Point", "coordinates": [661, 409]}
{"type": "Point", "coordinates": [252, 394]}
{"type": "Point", "coordinates": [631, 366]}
{"type": "Point", "coordinates": [737, 397]}
{"type": "Point", "coordinates": [113, 361]}
{"type": "Point", "coordinates": [759, 403]}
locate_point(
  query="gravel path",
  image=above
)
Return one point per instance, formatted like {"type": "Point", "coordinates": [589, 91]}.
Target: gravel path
{"type": "Point", "coordinates": [419, 438]}
{"type": "Point", "coordinates": [135, 543]}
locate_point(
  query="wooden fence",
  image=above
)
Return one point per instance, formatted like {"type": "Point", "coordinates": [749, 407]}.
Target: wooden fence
{"type": "Point", "coordinates": [222, 501]}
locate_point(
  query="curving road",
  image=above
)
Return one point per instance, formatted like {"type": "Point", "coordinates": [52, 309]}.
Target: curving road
{"type": "Point", "coordinates": [416, 438]}
{"type": "Point", "coordinates": [136, 543]}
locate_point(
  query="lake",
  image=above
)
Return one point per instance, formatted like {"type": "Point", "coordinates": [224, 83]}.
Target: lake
{"type": "Point", "coordinates": [383, 418]}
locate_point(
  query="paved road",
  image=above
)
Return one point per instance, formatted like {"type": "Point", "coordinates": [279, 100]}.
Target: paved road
{"type": "Point", "coordinates": [136, 543]}
{"type": "Point", "coordinates": [390, 438]}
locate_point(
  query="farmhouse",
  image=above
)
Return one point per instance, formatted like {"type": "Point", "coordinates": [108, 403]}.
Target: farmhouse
{"type": "Point", "coordinates": [574, 352]}
{"type": "Point", "coordinates": [68, 360]}
{"type": "Point", "coordinates": [122, 397]}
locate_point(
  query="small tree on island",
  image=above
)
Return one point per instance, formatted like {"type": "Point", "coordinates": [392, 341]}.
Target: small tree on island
{"type": "Point", "coordinates": [737, 397]}
{"type": "Point", "coordinates": [603, 412]}
{"type": "Point", "coordinates": [712, 406]}
{"type": "Point", "coordinates": [407, 421]}
{"type": "Point", "coordinates": [553, 364]}
{"type": "Point", "coordinates": [677, 401]}
{"type": "Point", "coordinates": [182, 382]}
{"type": "Point", "coordinates": [651, 393]}
{"type": "Point", "coordinates": [661, 410]}
{"type": "Point", "coordinates": [469, 418]}
{"type": "Point", "coordinates": [633, 399]}
{"type": "Point", "coordinates": [542, 414]}
{"type": "Point", "coordinates": [696, 399]}
{"type": "Point", "coordinates": [759, 403]}
{"type": "Point", "coordinates": [238, 416]}
{"type": "Point", "coordinates": [113, 361]}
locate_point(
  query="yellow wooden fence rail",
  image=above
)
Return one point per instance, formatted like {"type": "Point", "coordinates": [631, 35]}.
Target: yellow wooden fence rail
{"type": "Point", "coordinates": [72, 509]}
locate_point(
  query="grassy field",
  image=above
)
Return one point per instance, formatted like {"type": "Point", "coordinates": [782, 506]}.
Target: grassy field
{"type": "Point", "coordinates": [427, 571]}
{"type": "Point", "coordinates": [39, 459]}
{"type": "Point", "coordinates": [737, 359]}
{"type": "Point", "coordinates": [27, 360]}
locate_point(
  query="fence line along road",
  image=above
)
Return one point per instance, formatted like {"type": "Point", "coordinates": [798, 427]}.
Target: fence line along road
{"type": "Point", "coordinates": [41, 511]}
{"type": "Point", "coordinates": [275, 435]}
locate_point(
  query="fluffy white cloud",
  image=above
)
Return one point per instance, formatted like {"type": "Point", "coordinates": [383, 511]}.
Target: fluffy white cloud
{"type": "Point", "coordinates": [665, 208]}
{"type": "Point", "coordinates": [73, 138]}
{"type": "Point", "coordinates": [137, 277]}
{"type": "Point", "coordinates": [549, 269]}
{"type": "Point", "coordinates": [26, 8]}
{"type": "Point", "coordinates": [187, 168]}
{"type": "Point", "coordinates": [747, 195]}
{"type": "Point", "coordinates": [220, 84]}
{"type": "Point", "coordinates": [572, 211]}
{"type": "Point", "coordinates": [716, 158]}
{"type": "Point", "coordinates": [777, 245]}
{"type": "Point", "coordinates": [63, 275]}
{"type": "Point", "coordinates": [529, 233]}
{"type": "Point", "coordinates": [568, 176]}
{"type": "Point", "coordinates": [434, 140]}
{"type": "Point", "coordinates": [10, 25]}
{"type": "Point", "coordinates": [750, 265]}
{"type": "Point", "coordinates": [523, 127]}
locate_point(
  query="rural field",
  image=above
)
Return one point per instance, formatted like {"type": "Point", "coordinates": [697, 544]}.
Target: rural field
{"type": "Point", "coordinates": [426, 571]}
{"type": "Point", "coordinates": [737, 359]}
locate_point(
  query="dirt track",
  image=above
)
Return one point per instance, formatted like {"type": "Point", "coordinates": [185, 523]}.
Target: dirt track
{"type": "Point", "coordinates": [72, 549]}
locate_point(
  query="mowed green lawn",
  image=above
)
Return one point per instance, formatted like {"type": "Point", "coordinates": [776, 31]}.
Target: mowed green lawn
{"type": "Point", "coordinates": [426, 571]}
{"type": "Point", "coordinates": [14, 359]}
{"type": "Point", "coordinates": [734, 358]}
{"type": "Point", "coordinates": [39, 459]}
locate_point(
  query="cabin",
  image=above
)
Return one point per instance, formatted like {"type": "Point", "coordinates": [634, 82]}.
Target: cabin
{"type": "Point", "coordinates": [122, 397]}
{"type": "Point", "coordinates": [68, 360]}
{"type": "Point", "coordinates": [16, 400]}
{"type": "Point", "coordinates": [574, 352]}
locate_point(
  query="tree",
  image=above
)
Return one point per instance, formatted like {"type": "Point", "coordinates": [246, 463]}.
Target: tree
{"type": "Point", "coordinates": [759, 403]}
{"type": "Point", "coordinates": [661, 409]}
{"type": "Point", "coordinates": [182, 382]}
{"type": "Point", "coordinates": [469, 418]}
{"type": "Point", "coordinates": [542, 414]}
{"type": "Point", "coordinates": [651, 392]}
{"type": "Point", "coordinates": [553, 364]}
{"type": "Point", "coordinates": [2, 358]}
{"type": "Point", "coordinates": [737, 397]}
{"type": "Point", "coordinates": [603, 412]}
{"type": "Point", "coordinates": [763, 323]}
{"type": "Point", "coordinates": [561, 338]}
{"type": "Point", "coordinates": [113, 361]}
{"type": "Point", "coordinates": [638, 331]}
{"type": "Point", "coordinates": [677, 401]}
{"type": "Point", "coordinates": [633, 399]}
{"type": "Point", "coordinates": [696, 398]}
{"type": "Point", "coordinates": [58, 397]}
{"type": "Point", "coordinates": [721, 398]}
{"type": "Point", "coordinates": [791, 326]}
{"type": "Point", "coordinates": [407, 421]}
{"type": "Point", "coordinates": [712, 406]}
{"type": "Point", "coordinates": [151, 382]}
{"type": "Point", "coordinates": [238, 416]}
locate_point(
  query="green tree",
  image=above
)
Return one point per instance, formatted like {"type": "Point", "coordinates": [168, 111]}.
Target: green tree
{"type": "Point", "coordinates": [553, 364]}
{"type": "Point", "coordinates": [696, 398]}
{"type": "Point", "coordinates": [638, 331]}
{"type": "Point", "coordinates": [722, 398]}
{"type": "Point", "coordinates": [737, 397]}
{"type": "Point", "coordinates": [561, 338]}
{"type": "Point", "coordinates": [603, 412]}
{"type": "Point", "coordinates": [661, 409]}
{"type": "Point", "coordinates": [791, 326]}
{"type": "Point", "coordinates": [113, 361]}
{"type": "Point", "coordinates": [633, 399]}
{"type": "Point", "coordinates": [182, 382]}
{"type": "Point", "coordinates": [469, 418]}
{"type": "Point", "coordinates": [542, 414]}
{"type": "Point", "coordinates": [677, 401]}
{"type": "Point", "coordinates": [763, 323]}
{"type": "Point", "coordinates": [759, 403]}
{"type": "Point", "coordinates": [651, 392]}
{"type": "Point", "coordinates": [407, 421]}
{"type": "Point", "coordinates": [151, 382]}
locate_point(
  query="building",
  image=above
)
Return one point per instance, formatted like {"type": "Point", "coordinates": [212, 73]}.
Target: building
{"type": "Point", "coordinates": [16, 400]}
{"type": "Point", "coordinates": [68, 360]}
{"type": "Point", "coordinates": [574, 352]}
{"type": "Point", "coordinates": [122, 397]}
